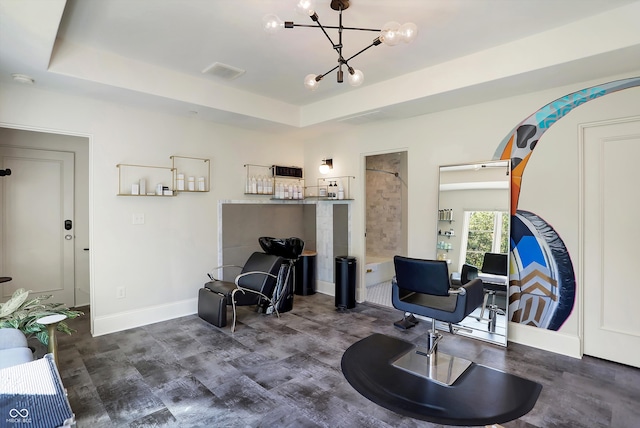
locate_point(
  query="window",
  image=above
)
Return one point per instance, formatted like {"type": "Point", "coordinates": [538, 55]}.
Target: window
{"type": "Point", "coordinates": [484, 232]}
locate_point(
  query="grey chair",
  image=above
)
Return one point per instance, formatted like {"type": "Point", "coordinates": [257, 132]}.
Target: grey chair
{"type": "Point", "coordinates": [254, 285]}
{"type": "Point", "coordinates": [422, 287]}
{"type": "Point", "coordinates": [13, 348]}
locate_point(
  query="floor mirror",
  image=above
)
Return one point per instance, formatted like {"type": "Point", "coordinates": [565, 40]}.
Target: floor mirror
{"type": "Point", "coordinates": [473, 237]}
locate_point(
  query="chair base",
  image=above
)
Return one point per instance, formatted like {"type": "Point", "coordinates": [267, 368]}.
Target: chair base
{"type": "Point", "coordinates": [441, 368]}
{"type": "Point", "coordinates": [406, 322]}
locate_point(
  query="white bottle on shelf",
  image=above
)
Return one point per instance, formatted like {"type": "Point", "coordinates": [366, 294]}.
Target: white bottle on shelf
{"type": "Point", "coordinates": [180, 181]}
{"type": "Point", "coordinates": [260, 185]}
{"type": "Point", "coordinates": [254, 185]}
{"type": "Point", "coordinates": [201, 184]}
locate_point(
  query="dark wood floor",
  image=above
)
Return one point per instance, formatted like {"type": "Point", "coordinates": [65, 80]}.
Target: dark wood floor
{"type": "Point", "coordinates": [286, 373]}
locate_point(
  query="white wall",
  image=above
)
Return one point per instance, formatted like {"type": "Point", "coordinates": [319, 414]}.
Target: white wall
{"type": "Point", "coordinates": [469, 134]}
{"type": "Point", "coordinates": [162, 263]}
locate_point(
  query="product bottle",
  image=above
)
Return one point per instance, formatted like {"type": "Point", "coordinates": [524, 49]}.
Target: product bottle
{"type": "Point", "coordinates": [259, 185]}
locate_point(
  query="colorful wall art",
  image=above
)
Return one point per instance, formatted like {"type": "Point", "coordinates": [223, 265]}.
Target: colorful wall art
{"type": "Point", "coordinates": [542, 284]}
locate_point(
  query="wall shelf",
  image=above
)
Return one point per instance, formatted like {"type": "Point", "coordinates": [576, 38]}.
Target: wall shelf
{"type": "Point", "coordinates": [144, 180]}
{"type": "Point", "coordinates": [259, 180]}
{"type": "Point", "coordinates": [191, 174]}
{"type": "Point", "coordinates": [329, 188]}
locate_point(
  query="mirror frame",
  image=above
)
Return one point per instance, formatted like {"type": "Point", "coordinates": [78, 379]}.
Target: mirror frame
{"type": "Point", "coordinates": [497, 176]}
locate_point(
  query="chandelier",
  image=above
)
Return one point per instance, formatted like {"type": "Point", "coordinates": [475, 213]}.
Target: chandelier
{"type": "Point", "coordinates": [391, 34]}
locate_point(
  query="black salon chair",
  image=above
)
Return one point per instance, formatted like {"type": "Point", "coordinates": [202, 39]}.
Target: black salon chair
{"type": "Point", "coordinates": [253, 286]}
{"type": "Point", "coordinates": [422, 287]}
{"type": "Point", "coordinates": [494, 274]}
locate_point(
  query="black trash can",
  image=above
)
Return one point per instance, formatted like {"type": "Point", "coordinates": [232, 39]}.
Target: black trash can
{"type": "Point", "coordinates": [345, 274]}
{"type": "Point", "coordinates": [306, 273]}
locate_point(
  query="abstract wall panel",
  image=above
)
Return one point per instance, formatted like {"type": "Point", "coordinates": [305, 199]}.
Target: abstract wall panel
{"type": "Point", "coordinates": [542, 284]}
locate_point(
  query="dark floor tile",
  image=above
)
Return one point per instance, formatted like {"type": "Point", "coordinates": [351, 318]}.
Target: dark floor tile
{"type": "Point", "coordinates": [87, 406]}
{"type": "Point", "coordinates": [161, 418]}
{"type": "Point", "coordinates": [128, 399]}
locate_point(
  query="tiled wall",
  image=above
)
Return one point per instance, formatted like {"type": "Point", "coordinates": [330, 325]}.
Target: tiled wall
{"type": "Point", "coordinates": [324, 227]}
{"type": "Point", "coordinates": [243, 224]}
{"type": "Point", "coordinates": [385, 194]}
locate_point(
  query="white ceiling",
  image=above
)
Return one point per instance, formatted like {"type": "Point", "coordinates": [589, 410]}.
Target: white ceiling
{"type": "Point", "coordinates": [152, 53]}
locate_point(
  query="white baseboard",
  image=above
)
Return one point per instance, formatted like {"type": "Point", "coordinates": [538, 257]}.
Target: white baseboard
{"type": "Point", "coordinates": [547, 340]}
{"type": "Point", "coordinates": [143, 316]}
{"type": "Point", "coordinates": [328, 288]}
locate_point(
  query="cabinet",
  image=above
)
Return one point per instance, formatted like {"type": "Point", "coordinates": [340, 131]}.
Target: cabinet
{"type": "Point", "coordinates": [191, 174]}
{"type": "Point", "coordinates": [144, 180]}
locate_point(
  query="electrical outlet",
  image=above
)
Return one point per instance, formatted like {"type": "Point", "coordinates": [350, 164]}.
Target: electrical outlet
{"type": "Point", "coordinates": [138, 219]}
{"type": "Point", "coordinates": [120, 293]}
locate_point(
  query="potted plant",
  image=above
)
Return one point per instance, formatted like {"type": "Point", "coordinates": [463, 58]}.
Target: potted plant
{"type": "Point", "coordinates": [23, 313]}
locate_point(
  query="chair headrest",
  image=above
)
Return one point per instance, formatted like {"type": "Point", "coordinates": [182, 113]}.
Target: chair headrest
{"type": "Point", "coordinates": [422, 276]}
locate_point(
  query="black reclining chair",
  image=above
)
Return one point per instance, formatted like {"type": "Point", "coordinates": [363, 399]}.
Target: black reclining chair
{"type": "Point", "coordinates": [253, 286]}
{"type": "Point", "coordinates": [422, 287]}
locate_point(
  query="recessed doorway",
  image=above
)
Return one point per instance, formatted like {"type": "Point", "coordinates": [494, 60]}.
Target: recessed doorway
{"type": "Point", "coordinates": [386, 222]}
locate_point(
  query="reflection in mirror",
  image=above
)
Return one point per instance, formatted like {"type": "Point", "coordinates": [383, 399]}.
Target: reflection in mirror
{"type": "Point", "coordinates": [473, 237]}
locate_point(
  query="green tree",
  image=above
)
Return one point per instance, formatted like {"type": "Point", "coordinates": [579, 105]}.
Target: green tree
{"type": "Point", "coordinates": [486, 236]}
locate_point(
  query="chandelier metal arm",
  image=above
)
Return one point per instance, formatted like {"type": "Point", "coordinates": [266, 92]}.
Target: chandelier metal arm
{"type": "Point", "coordinates": [375, 42]}
{"type": "Point", "coordinates": [291, 24]}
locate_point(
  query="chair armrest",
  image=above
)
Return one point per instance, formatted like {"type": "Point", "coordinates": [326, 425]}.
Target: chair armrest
{"type": "Point", "coordinates": [212, 278]}
{"type": "Point", "coordinates": [474, 294]}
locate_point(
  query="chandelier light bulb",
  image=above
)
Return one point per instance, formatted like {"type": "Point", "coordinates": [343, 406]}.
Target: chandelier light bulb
{"type": "Point", "coordinates": [356, 78]}
{"type": "Point", "coordinates": [272, 24]}
{"type": "Point", "coordinates": [305, 7]}
{"type": "Point", "coordinates": [390, 33]}
{"type": "Point", "coordinates": [310, 82]}
{"type": "Point", "coordinates": [408, 32]}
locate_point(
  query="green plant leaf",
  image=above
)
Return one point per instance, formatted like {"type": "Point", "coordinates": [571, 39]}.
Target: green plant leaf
{"type": "Point", "coordinates": [16, 300]}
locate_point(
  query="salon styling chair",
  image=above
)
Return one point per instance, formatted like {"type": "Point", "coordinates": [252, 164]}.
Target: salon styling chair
{"type": "Point", "coordinates": [495, 276]}
{"type": "Point", "coordinates": [422, 287]}
{"type": "Point", "coordinates": [254, 285]}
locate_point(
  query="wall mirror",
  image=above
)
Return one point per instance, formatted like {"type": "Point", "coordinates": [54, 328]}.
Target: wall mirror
{"type": "Point", "coordinates": [473, 237]}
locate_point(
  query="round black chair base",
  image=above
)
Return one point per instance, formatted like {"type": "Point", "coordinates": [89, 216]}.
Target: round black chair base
{"type": "Point", "coordinates": [367, 366]}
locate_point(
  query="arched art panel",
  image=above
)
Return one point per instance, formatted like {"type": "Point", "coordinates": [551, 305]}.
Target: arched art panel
{"type": "Point", "coordinates": [542, 284]}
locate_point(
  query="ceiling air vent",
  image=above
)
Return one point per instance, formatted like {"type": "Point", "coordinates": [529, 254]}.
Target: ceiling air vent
{"type": "Point", "coordinates": [223, 71]}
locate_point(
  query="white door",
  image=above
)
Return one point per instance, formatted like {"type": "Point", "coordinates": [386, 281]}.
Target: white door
{"type": "Point", "coordinates": [611, 236]}
{"type": "Point", "coordinates": [37, 200]}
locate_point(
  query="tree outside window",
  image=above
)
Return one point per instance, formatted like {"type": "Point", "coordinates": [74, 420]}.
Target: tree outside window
{"type": "Point", "coordinates": [485, 232]}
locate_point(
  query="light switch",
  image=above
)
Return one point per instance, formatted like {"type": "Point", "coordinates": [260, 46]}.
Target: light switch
{"type": "Point", "coordinates": [138, 218]}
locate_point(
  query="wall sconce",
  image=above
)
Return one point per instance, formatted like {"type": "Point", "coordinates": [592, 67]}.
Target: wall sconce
{"type": "Point", "coordinates": [326, 166]}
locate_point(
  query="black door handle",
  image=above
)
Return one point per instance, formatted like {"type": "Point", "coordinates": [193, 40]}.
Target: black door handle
{"type": "Point", "coordinates": [68, 224]}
